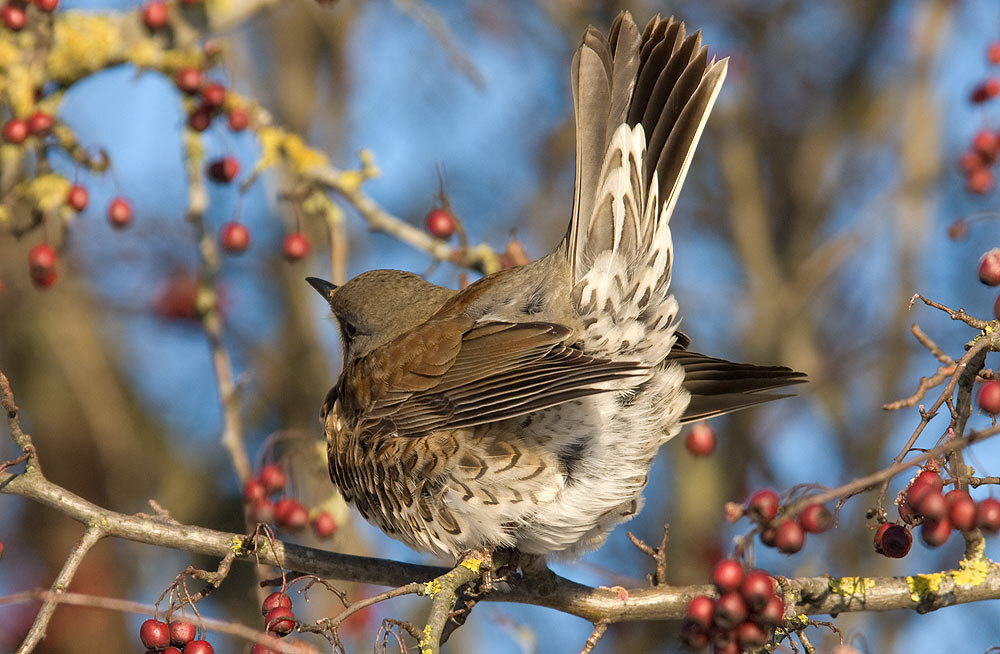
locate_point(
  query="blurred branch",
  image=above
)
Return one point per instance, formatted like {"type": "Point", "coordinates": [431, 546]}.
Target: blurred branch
{"type": "Point", "coordinates": [435, 24]}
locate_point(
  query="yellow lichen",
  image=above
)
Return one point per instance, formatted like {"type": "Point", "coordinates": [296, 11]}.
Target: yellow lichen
{"type": "Point", "coordinates": [431, 588]}
{"type": "Point", "coordinates": [236, 546]}
{"type": "Point", "coordinates": [82, 44]}
{"type": "Point", "coordinates": [49, 191]}
{"type": "Point", "coordinates": [271, 139]}
{"type": "Point", "coordinates": [425, 642]}
{"type": "Point", "coordinates": [847, 586]}
{"type": "Point", "coordinates": [923, 585]}
{"type": "Point", "coordinates": [300, 156]}
{"type": "Point", "coordinates": [971, 573]}
{"type": "Point", "coordinates": [472, 563]}
{"type": "Point", "coordinates": [9, 52]}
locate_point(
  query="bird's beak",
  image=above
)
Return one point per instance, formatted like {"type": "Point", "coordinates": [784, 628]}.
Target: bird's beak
{"type": "Point", "coordinates": [322, 287]}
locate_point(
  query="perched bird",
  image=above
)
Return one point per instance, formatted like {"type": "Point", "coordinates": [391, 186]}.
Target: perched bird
{"type": "Point", "coordinates": [525, 410]}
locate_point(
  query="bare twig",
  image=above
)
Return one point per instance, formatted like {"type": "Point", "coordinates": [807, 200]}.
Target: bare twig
{"type": "Point", "coordinates": [658, 554]}
{"type": "Point", "coordinates": [595, 636]}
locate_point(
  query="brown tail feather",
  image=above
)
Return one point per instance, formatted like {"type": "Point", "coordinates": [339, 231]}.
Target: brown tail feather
{"type": "Point", "coordinates": [718, 386]}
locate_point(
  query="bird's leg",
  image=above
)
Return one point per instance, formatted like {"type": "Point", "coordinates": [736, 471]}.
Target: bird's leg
{"type": "Point", "coordinates": [536, 573]}
{"type": "Point", "coordinates": [480, 560]}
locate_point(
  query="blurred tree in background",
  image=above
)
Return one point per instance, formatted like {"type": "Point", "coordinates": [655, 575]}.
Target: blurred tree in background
{"type": "Point", "coordinates": [158, 351]}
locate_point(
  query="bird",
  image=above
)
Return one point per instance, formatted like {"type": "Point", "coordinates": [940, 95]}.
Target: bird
{"type": "Point", "coordinates": [525, 410]}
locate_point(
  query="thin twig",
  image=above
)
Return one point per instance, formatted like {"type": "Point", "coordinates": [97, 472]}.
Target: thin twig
{"type": "Point", "coordinates": [595, 636]}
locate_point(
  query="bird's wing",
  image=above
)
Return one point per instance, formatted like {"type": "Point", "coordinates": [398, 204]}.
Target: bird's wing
{"type": "Point", "coordinates": [445, 376]}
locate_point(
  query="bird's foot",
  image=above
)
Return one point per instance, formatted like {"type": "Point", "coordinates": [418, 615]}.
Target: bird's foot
{"type": "Point", "coordinates": [536, 573]}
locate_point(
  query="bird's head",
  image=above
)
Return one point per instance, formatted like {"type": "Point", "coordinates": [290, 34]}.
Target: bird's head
{"type": "Point", "coordinates": [379, 305]}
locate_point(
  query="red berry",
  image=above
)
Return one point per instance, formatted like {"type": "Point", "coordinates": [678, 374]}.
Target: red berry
{"type": "Point", "coordinates": [700, 439]}
{"type": "Point", "coordinates": [763, 506]}
{"type": "Point", "coordinates": [932, 506]}
{"type": "Point", "coordinates": [790, 537]}
{"type": "Point", "coordinates": [815, 519]}
{"type": "Point", "coordinates": [234, 237]}
{"type": "Point", "coordinates": [728, 575]}
{"type": "Point", "coordinates": [935, 532]}
{"type": "Point", "coordinates": [225, 169]}
{"type": "Point", "coordinates": [172, 650]}
{"type": "Point", "coordinates": [39, 123]}
{"type": "Point", "coordinates": [1, 549]}
{"type": "Point", "coordinates": [985, 143]}
{"type": "Point", "coordinates": [961, 510]}
{"type": "Point", "coordinates": [199, 647]}
{"type": "Point", "coordinates": [155, 15]}
{"type": "Point", "coordinates": [77, 197]}
{"type": "Point", "coordinates": [925, 482]}
{"type": "Point", "coordinates": [13, 17]}
{"type": "Point", "coordinates": [324, 525]}
{"type": "Point", "coordinates": [700, 610]}
{"type": "Point", "coordinates": [730, 610]}
{"type": "Point", "coordinates": [440, 223]}
{"type": "Point", "coordinates": [989, 267]}
{"type": "Point", "coordinates": [290, 514]}
{"type": "Point", "coordinates": [757, 588]}
{"type": "Point", "coordinates": [273, 477]}
{"type": "Point", "coordinates": [725, 644]}
{"type": "Point", "coordinates": [996, 308]}
{"type": "Point", "coordinates": [42, 265]}
{"type": "Point", "coordinates": [993, 53]}
{"type": "Point", "coordinates": [213, 95]}
{"type": "Point", "coordinates": [154, 634]}
{"type": "Point", "coordinates": [750, 636]}
{"type": "Point", "coordinates": [188, 79]}
{"type": "Point", "coordinates": [295, 246]}
{"type": "Point", "coordinates": [693, 637]}
{"type": "Point", "coordinates": [275, 600]}
{"type": "Point", "coordinates": [970, 162]}
{"type": "Point", "coordinates": [182, 633]}
{"type": "Point", "coordinates": [768, 536]}
{"type": "Point", "coordinates": [771, 614]}
{"type": "Point", "coordinates": [200, 119]}
{"type": "Point", "coordinates": [48, 6]}
{"type": "Point", "coordinates": [989, 396]}
{"type": "Point", "coordinates": [988, 515]}
{"type": "Point", "coordinates": [893, 540]}
{"type": "Point", "coordinates": [177, 298]}
{"type": "Point", "coordinates": [979, 181]}
{"type": "Point", "coordinates": [254, 490]}
{"type": "Point", "coordinates": [15, 130]}
{"type": "Point", "coordinates": [988, 89]}
{"type": "Point", "coordinates": [238, 119]}
{"type": "Point", "coordinates": [120, 213]}
{"type": "Point", "coordinates": [263, 649]}
{"type": "Point", "coordinates": [262, 511]}
{"type": "Point", "coordinates": [280, 621]}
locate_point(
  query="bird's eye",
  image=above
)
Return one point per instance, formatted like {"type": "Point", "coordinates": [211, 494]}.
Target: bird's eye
{"type": "Point", "coordinates": [350, 331]}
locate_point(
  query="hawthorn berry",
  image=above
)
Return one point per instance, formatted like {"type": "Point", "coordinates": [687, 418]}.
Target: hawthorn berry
{"type": "Point", "coordinates": [927, 481]}
{"type": "Point", "coordinates": [693, 638]}
{"type": "Point", "coordinates": [757, 589]}
{"type": "Point", "coordinates": [154, 634]}
{"type": "Point", "coordinates": [988, 515]}
{"type": "Point", "coordinates": [254, 490]}
{"type": "Point", "coordinates": [728, 575]}
{"type": "Point", "coordinates": [238, 119]}
{"type": "Point", "coordinates": [177, 298]}
{"type": "Point", "coordinates": [440, 223]}
{"type": "Point", "coordinates": [155, 15]}
{"type": "Point", "coordinates": [763, 505]}
{"type": "Point", "coordinates": [699, 611]}
{"type": "Point", "coordinates": [262, 510]}
{"type": "Point", "coordinates": [77, 197]}
{"type": "Point", "coordinates": [213, 95]}
{"type": "Point", "coordinates": [48, 6]}
{"type": "Point", "coordinates": [979, 181]}
{"type": "Point", "coordinates": [893, 540]}
{"type": "Point", "coordinates": [989, 267]}
{"type": "Point", "coordinates": [986, 90]}
{"type": "Point", "coordinates": [1, 549]}
{"type": "Point", "coordinates": [290, 513]}
{"type": "Point", "coordinates": [262, 649]}
{"type": "Point", "coordinates": [224, 170]}
{"type": "Point", "coordinates": [120, 213]}
{"type": "Point", "coordinates": [188, 79]}
{"type": "Point", "coordinates": [234, 237]}
{"type": "Point", "coordinates": [40, 123]}
{"type": "Point", "coordinates": [993, 53]}
{"type": "Point", "coordinates": [42, 264]}
{"type": "Point", "coordinates": [961, 510]}
{"type": "Point", "coordinates": [273, 477]}
{"type": "Point", "coordinates": [15, 130]}
{"type": "Point", "coordinates": [295, 246]}
{"type": "Point", "coordinates": [815, 518]}
{"type": "Point", "coordinates": [970, 161]}
{"type": "Point", "coordinates": [771, 614]}
{"type": "Point", "coordinates": [280, 621]}
{"type": "Point", "coordinates": [324, 525]}
{"type": "Point", "coordinates": [730, 610]}
{"type": "Point", "coordinates": [935, 532]}
{"type": "Point", "coordinates": [989, 394]}
{"type": "Point", "coordinates": [985, 144]}
{"type": "Point", "coordinates": [932, 506]}
{"type": "Point", "coordinates": [700, 439]}
{"type": "Point", "coordinates": [275, 600]}
{"type": "Point", "coordinates": [199, 647]}
{"type": "Point", "coordinates": [182, 633]}
{"type": "Point", "coordinates": [768, 536]}
{"type": "Point", "coordinates": [13, 17]}
{"type": "Point", "coordinates": [200, 119]}
{"type": "Point", "coordinates": [996, 308]}
{"type": "Point", "coordinates": [172, 650]}
{"type": "Point", "coordinates": [790, 537]}
{"type": "Point", "coordinates": [751, 636]}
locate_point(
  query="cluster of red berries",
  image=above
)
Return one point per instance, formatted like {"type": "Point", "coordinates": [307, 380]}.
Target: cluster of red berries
{"type": "Point", "coordinates": [923, 503]}
{"type": "Point", "coordinates": [789, 536]}
{"type": "Point", "coordinates": [741, 619]}
{"type": "Point", "coordinates": [441, 223]}
{"type": "Point", "coordinates": [211, 100]}
{"type": "Point", "coordinates": [17, 130]}
{"type": "Point", "coordinates": [700, 440]}
{"type": "Point", "coordinates": [169, 638]}
{"type": "Point", "coordinates": [279, 619]}
{"type": "Point", "coordinates": [14, 14]}
{"type": "Point", "coordinates": [287, 512]}
{"type": "Point", "coordinates": [982, 153]}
